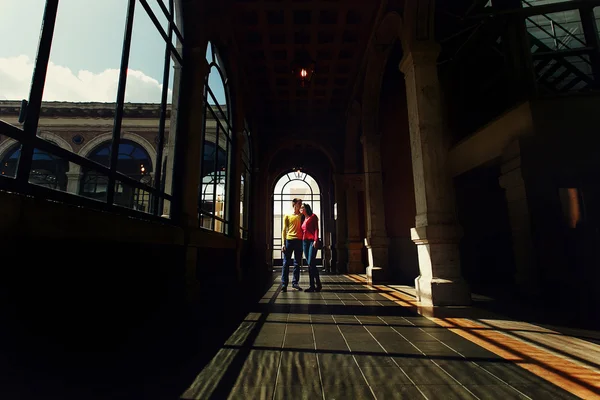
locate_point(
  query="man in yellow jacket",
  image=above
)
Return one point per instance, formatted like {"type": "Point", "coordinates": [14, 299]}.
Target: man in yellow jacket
{"type": "Point", "coordinates": [291, 235]}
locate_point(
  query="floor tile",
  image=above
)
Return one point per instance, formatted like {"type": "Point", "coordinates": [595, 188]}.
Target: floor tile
{"type": "Point", "coordinates": [298, 369]}
{"type": "Point", "coordinates": [251, 392]}
{"type": "Point", "coordinates": [308, 391]}
{"type": "Point", "coordinates": [345, 391]}
{"type": "Point", "coordinates": [446, 392]}
{"type": "Point", "coordinates": [397, 392]}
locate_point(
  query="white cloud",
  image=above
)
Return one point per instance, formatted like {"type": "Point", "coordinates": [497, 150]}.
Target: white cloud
{"type": "Point", "coordinates": [62, 84]}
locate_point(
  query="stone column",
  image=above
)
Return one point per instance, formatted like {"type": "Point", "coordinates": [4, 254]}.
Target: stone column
{"type": "Point", "coordinates": [355, 242]}
{"type": "Point", "coordinates": [376, 240]}
{"type": "Point", "coordinates": [513, 183]}
{"type": "Point", "coordinates": [73, 178]}
{"type": "Point", "coordinates": [341, 225]}
{"type": "Point", "coordinates": [189, 157]}
{"type": "Point", "coordinates": [437, 232]}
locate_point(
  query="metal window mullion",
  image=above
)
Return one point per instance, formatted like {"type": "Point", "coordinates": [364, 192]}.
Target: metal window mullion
{"type": "Point", "coordinates": [201, 195]}
{"type": "Point", "coordinates": [36, 92]}
{"type": "Point", "coordinates": [212, 95]}
{"type": "Point", "coordinates": [11, 131]}
{"type": "Point", "coordinates": [170, 14]}
{"type": "Point", "coordinates": [227, 187]}
{"type": "Point", "coordinates": [160, 30]}
{"type": "Point", "coordinates": [216, 177]}
{"type": "Point", "coordinates": [175, 27]}
{"type": "Point", "coordinates": [161, 123]}
{"type": "Point", "coordinates": [116, 134]}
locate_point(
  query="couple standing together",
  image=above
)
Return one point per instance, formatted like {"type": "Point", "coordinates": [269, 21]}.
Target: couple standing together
{"type": "Point", "coordinates": [300, 232]}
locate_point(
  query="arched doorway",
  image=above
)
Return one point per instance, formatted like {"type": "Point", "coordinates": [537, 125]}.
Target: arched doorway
{"type": "Point", "coordinates": [291, 185]}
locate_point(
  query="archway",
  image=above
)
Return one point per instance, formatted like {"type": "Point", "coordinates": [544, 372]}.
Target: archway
{"type": "Point", "coordinates": [47, 170]}
{"type": "Point", "coordinates": [290, 185]}
{"type": "Point", "coordinates": [133, 161]}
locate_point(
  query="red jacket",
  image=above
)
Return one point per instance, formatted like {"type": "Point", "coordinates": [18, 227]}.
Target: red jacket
{"type": "Point", "coordinates": [310, 228]}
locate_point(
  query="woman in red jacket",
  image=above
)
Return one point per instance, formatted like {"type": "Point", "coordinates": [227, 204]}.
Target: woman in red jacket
{"type": "Point", "coordinates": [310, 237]}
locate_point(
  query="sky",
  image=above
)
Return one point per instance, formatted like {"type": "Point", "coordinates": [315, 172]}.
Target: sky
{"type": "Point", "coordinates": [86, 52]}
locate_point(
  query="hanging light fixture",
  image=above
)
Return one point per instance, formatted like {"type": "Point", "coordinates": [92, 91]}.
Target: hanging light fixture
{"type": "Point", "coordinates": [303, 68]}
{"type": "Point", "coordinates": [297, 172]}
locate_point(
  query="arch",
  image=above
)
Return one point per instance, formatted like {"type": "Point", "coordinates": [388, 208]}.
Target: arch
{"type": "Point", "coordinates": [47, 170]}
{"type": "Point", "coordinates": [54, 138]}
{"type": "Point", "coordinates": [135, 162]}
{"type": "Point", "coordinates": [6, 146]}
{"type": "Point", "coordinates": [388, 32]}
{"type": "Point", "coordinates": [87, 148]}
{"type": "Point", "coordinates": [51, 137]}
{"type": "Point", "coordinates": [128, 150]}
{"type": "Point", "coordinates": [288, 144]}
{"type": "Point", "coordinates": [287, 186]}
{"type": "Point", "coordinates": [221, 80]}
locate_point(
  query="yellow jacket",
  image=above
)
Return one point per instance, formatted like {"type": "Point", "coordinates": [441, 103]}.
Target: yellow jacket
{"type": "Point", "coordinates": [292, 227]}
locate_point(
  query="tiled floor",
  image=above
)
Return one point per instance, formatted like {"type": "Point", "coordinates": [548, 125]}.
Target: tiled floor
{"type": "Point", "coordinates": [352, 341]}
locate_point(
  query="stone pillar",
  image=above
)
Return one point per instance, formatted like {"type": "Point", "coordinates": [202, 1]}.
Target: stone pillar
{"type": "Point", "coordinates": [73, 178]}
{"type": "Point", "coordinates": [513, 183]}
{"type": "Point", "coordinates": [341, 225]}
{"type": "Point", "coordinates": [189, 157]}
{"type": "Point", "coordinates": [355, 242]}
{"type": "Point", "coordinates": [437, 232]}
{"type": "Point", "coordinates": [376, 240]}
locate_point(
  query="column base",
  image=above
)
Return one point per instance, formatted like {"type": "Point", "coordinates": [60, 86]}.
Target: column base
{"type": "Point", "coordinates": [356, 267]}
{"type": "Point", "coordinates": [355, 264]}
{"type": "Point", "coordinates": [442, 292]}
{"type": "Point", "coordinates": [377, 248]}
{"type": "Point", "coordinates": [376, 276]}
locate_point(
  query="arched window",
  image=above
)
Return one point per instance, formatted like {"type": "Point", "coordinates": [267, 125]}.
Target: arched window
{"type": "Point", "coordinates": [134, 161]}
{"type": "Point", "coordinates": [46, 170]}
{"type": "Point", "coordinates": [291, 185]}
{"type": "Point", "coordinates": [245, 183]}
{"type": "Point", "coordinates": [217, 142]}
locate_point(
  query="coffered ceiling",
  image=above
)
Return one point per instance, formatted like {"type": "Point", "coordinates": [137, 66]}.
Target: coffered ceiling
{"type": "Point", "coordinates": [270, 33]}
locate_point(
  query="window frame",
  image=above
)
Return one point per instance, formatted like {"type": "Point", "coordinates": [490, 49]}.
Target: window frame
{"type": "Point", "coordinates": [27, 137]}
{"type": "Point", "coordinates": [224, 130]}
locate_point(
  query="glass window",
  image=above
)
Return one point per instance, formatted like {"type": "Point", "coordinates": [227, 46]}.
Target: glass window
{"type": "Point", "coordinates": [88, 89]}
{"type": "Point", "coordinates": [217, 143]}
{"type": "Point", "coordinates": [134, 161]}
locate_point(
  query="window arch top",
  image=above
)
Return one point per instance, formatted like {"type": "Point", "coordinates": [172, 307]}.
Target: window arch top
{"type": "Point", "coordinates": [297, 181]}
{"type": "Point", "coordinates": [131, 156]}
{"type": "Point", "coordinates": [217, 83]}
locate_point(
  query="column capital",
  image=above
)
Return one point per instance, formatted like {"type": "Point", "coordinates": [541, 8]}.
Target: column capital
{"type": "Point", "coordinates": [420, 53]}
